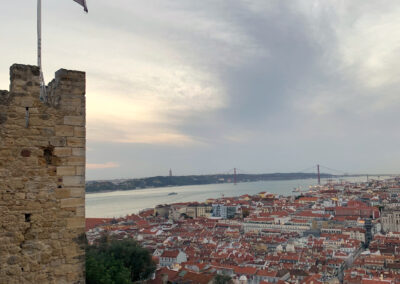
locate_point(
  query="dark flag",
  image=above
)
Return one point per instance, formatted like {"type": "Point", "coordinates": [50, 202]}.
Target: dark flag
{"type": "Point", "coordinates": [83, 3]}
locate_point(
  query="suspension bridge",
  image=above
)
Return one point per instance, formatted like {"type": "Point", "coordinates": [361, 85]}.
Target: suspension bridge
{"type": "Point", "coordinates": [318, 171]}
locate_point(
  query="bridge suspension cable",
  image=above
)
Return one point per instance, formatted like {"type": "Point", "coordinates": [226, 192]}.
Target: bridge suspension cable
{"type": "Point", "coordinates": [333, 170]}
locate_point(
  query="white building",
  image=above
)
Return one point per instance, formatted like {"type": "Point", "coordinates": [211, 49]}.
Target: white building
{"type": "Point", "coordinates": [391, 220]}
{"type": "Point", "coordinates": [223, 211]}
{"type": "Point", "coordinates": [259, 226]}
{"type": "Point", "coordinates": [170, 258]}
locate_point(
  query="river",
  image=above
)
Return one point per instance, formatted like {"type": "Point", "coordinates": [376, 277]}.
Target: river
{"type": "Point", "coordinates": [121, 203]}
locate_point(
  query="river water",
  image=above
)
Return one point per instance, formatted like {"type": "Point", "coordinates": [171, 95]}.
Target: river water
{"type": "Point", "coordinates": [121, 203]}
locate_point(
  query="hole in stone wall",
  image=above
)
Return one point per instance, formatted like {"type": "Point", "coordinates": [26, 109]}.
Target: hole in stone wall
{"type": "Point", "coordinates": [25, 153]}
{"type": "Point", "coordinates": [26, 117]}
{"type": "Point", "coordinates": [48, 155]}
{"type": "Point", "coordinates": [28, 217]}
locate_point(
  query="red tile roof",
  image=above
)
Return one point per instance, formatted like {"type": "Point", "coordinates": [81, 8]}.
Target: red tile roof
{"type": "Point", "coordinates": [245, 270]}
{"type": "Point", "coordinates": [198, 278]}
{"type": "Point", "coordinates": [94, 222]}
{"type": "Point", "coordinates": [170, 253]}
{"type": "Point", "coordinates": [267, 273]}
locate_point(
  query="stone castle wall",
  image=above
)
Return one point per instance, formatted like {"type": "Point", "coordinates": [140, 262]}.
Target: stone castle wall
{"type": "Point", "coordinates": [42, 178]}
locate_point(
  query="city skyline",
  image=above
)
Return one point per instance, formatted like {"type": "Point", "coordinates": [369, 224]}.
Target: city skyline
{"type": "Point", "coordinates": [205, 87]}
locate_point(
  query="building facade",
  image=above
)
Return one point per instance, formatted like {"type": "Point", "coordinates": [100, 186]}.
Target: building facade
{"type": "Point", "coordinates": [223, 211]}
{"type": "Point", "coordinates": [171, 258]}
{"type": "Point", "coordinates": [391, 220]}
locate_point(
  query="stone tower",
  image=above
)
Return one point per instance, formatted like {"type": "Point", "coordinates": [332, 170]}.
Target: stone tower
{"type": "Point", "coordinates": [42, 178]}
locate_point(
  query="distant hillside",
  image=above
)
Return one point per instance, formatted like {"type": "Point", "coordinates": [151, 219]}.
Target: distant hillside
{"type": "Point", "coordinates": [163, 181]}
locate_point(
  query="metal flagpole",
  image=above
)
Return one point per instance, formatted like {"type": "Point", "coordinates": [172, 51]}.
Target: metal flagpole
{"type": "Point", "coordinates": [43, 96]}
{"type": "Point", "coordinates": [39, 32]}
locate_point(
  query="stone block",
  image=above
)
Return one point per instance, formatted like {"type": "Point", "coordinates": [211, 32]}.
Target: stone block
{"type": "Point", "coordinates": [20, 195]}
{"type": "Point", "coordinates": [66, 171]}
{"type": "Point", "coordinates": [79, 131]}
{"type": "Point", "coordinates": [77, 192]}
{"type": "Point", "coordinates": [24, 102]}
{"type": "Point", "coordinates": [74, 120]}
{"type": "Point", "coordinates": [72, 202]}
{"type": "Point", "coordinates": [20, 110]}
{"type": "Point", "coordinates": [80, 171]}
{"type": "Point", "coordinates": [75, 222]}
{"type": "Point", "coordinates": [27, 102]}
{"type": "Point", "coordinates": [62, 193]}
{"type": "Point", "coordinates": [58, 141]}
{"type": "Point", "coordinates": [75, 142]}
{"type": "Point", "coordinates": [47, 131]}
{"type": "Point", "coordinates": [62, 151]}
{"type": "Point", "coordinates": [73, 181]}
{"type": "Point", "coordinates": [70, 100]}
{"type": "Point", "coordinates": [80, 211]}
{"type": "Point", "coordinates": [76, 161]}
{"type": "Point", "coordinates": [79, 152]}
{"type": "Point", "coordinates": [64, 130]}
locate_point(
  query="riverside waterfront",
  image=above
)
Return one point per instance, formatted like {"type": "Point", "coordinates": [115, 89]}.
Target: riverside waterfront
{"type": "Point", "coordinates": [121, 203]}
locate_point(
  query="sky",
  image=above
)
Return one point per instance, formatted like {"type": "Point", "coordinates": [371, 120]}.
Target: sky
{"type": "Point", "coordinates": [202, 87]}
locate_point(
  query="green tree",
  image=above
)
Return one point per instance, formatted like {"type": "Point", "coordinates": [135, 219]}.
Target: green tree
{"type": "Point", "coordinates": [245, 212]}
{"type": "Point", "coordinates": [222, 279]}
{"type": "Point", "coordinates": [137, 259]}
{"type": "Point", "coordinates": [103, 269]}
{"type": "Point", "coordinates": [113, 261]}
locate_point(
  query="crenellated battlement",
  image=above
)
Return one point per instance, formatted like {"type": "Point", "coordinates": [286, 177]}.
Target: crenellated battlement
{"type": "Point", "coordinates": [42, 178]}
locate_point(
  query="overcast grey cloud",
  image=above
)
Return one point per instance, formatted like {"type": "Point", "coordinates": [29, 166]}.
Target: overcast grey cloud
{"type": "Point", "coordinates": [205, 86]}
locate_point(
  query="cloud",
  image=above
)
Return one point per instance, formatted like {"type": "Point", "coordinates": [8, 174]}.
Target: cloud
{"type": "Point", "coordinates": [194, 85]}
{"type": "Point", "coordinates": [285, 80]}
{"type": "Point", "coordinates": [107, 165]}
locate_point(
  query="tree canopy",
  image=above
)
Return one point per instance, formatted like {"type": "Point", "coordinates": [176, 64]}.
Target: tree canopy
{"type": "Point", "coordinates": [117, 261]}
{"type": "Point", "coordinates": [222, 279]}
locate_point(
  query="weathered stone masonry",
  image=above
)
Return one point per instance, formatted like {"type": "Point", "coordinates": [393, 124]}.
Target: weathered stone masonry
{"type": "Point", "coordinates": [42, 178]}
